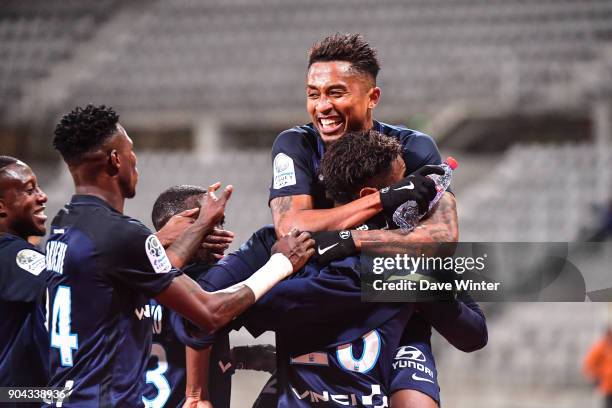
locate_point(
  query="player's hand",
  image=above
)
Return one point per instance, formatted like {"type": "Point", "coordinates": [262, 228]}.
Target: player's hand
{"type": "Point", "coordinates": [297, 247]}
{"type": "Point", "coordinates": [191, 402]}
{"type": "Point", "coordinates": [416, 187]}
{"type": "Point", "coordinates": [176, 226]}
{"type": "Point", "coordinates": [216, 243]}
{"type": "Point", "coordinates": [332, 245]}
{"type": "Point", "coordinates": [212, 208]}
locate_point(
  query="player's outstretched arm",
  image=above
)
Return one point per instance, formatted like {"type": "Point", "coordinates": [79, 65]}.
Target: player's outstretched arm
{"type": "Point", "coordinates": [211, 212]}
{"type": "Point", "coordinates": [440, 227]}
{"type": "Point", "coordinates": [212, 311]}
{"type": "Point", "coordinates": [461, 322]}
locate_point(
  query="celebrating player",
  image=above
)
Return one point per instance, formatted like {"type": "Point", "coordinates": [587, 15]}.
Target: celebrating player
{"type": "Point", "coordinates": [24, 344]}
{"type": "Point", "coordinates": [341, 95]}
{"type": "Point", "coordinates": [320, 307]}
{"type": "Point", "coordinates": [104, 267]}
{"type": "Point", "coordinates": [165, 377]}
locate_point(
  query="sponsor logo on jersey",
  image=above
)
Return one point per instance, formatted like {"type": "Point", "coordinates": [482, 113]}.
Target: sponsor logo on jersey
{"type": "Point", "coordinates": [151, 311]}
{"type": "Point", "coordinates": [410, 353]}
{"type": "Point", "coordinates": [284, 171]}
{"type": "Point", "coordinates": [412, 357]}
{"type": "Point", "coordinates": [376, 399]}
{"type": "Point", "coordinates": [157, 255]}
{"type": "Point", "coordinates": [31, 261]}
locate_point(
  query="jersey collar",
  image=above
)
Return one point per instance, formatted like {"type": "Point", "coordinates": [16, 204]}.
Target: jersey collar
{"type": "Point", "coordinates": [84, 199]}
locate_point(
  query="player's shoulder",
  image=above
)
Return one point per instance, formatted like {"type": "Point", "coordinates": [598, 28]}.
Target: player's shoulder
{"type": "Point", "coordinates": [404, 134]}
{"type": "Point", "coordinates": [21, 255]}
{"type": "Point", "coordinates": [303, 136]}
{"type": "Point", "coordinates": [108, 228]}
{"type": "Point", "coordinates": [258, 247]}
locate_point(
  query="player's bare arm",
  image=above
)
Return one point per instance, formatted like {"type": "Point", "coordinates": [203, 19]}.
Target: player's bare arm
{"type": "Point", "coordinates": [440, 226]}
{"type": "Point", "coordinates": [297, 212]}
{"type": "Point", "coordinates": [196, 387]}
{"type": "Point", "coordinates": [212, 311]}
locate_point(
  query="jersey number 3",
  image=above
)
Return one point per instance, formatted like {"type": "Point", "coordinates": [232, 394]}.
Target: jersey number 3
{"type": "Point", "coordinates": [61, 338]}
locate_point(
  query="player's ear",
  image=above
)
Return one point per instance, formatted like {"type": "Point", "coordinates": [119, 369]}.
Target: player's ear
{"type": "Point", "coordinates": [374, 97]}
{"type": "Point", "coordinates": [367, 191]}
{"type": "Point", "coordinates": [3, 209]}
{"type": "Point", "coordinates": [114, 163]}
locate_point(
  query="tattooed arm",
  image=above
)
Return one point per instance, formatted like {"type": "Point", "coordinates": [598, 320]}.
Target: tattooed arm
{"type": "Point", "coordinates": [297, 212]}
{"type": "Point", "coordinates": [440, 227]}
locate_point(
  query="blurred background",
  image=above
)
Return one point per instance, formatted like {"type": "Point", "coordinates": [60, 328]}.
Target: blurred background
{"type": "Point", "coordinates": [519, 91]}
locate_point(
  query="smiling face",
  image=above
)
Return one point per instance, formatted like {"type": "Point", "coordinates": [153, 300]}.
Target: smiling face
{"type": "Point", "coordinates": [339, 99]}
{"type": "Point", "coordinates": [22, 202]}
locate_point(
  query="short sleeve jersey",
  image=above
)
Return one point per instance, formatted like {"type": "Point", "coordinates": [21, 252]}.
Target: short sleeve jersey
{"type": "Point", "coordinates": [297, 153]}
{"type": "Point", "coordinates": [103, 268]}
{"type": "Point", "coordinates": [24, 342]}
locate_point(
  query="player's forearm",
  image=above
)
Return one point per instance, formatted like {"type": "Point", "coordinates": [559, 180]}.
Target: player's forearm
{"type": "Point", "coordinates": [196, 368]}
{"type": "Point", "coordinates": [186, 245]}
{"type": "Point", "coordinates": [461, 326]}
{"type": "Point", "coordinates": [440, 228]}
{"type": "Point", "coordinates": [286, 216]}
{"type": "Point", "coordinates": [211, 311]}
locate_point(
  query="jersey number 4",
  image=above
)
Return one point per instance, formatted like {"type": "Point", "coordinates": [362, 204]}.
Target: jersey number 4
{"type": "Point", "coordinates": [61, 338]}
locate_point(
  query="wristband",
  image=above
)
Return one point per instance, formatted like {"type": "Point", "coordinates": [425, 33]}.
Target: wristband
{"type": "Point", "coordinates": [274, 271]}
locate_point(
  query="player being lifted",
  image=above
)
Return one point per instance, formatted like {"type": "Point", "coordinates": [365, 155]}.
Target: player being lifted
{"type": "Point", "coordinates": [104, 267]}
{"type": "Point", "coordinates": [24, 343]}
{"type": "Point", "coordinates": [320, 307]}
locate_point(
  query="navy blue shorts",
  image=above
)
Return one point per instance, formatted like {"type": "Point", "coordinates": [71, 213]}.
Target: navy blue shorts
{"type": "Point", "coordinates": [414, 368]}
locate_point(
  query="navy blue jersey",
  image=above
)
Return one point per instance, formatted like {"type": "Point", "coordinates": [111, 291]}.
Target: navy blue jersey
{"type": "Point", "coordinates": [103, 268]}
{"type": "Point", "coordinates": [165, 377]}
{"type": "Point", "coordinates": [24, 344]}
{"type": "Point", "coordinates": [351, 374]}
{"type": "Point", "coordinates": [297, 153]}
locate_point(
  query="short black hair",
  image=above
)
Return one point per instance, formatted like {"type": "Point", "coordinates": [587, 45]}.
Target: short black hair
{"type": "Point", "coordinates": [7, 161]}
{"type": "Point", "coordinates": [84, 130]}
{"type": "Point", "coordinates": [173, 201]}
{"type": "Point", "coordinates": [355, 159]}
{"type": "Point", "coordinates": [346, 47]}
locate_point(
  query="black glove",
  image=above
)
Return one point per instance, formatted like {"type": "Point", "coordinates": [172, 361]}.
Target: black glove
{"type": "Point", "coordinates": [377, 222]}
{"type": "Point", "coordinates": [332, 245]}
{"type": "Point", "coordinates": [415, 187]}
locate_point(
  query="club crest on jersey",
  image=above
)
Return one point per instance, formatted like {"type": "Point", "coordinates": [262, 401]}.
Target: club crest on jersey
{"type": "Point", "coordinates": [31, 261]}
{"type": "Point", "coordinates": [284, 171]}
{"type": "Point", "coordinates": [410, 353]}
{"type": "Point", "coordinates": [157, 255]}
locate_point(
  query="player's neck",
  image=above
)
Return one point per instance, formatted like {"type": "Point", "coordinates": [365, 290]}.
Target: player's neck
{"type": "Point", "coordinates": [114, 199]}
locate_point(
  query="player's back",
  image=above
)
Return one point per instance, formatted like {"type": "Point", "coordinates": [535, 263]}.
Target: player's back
{"type": "Point", "coordinates": [352, 374]}
{"type": "Point", "coordinates": [103, 267]}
